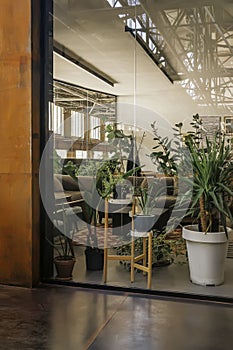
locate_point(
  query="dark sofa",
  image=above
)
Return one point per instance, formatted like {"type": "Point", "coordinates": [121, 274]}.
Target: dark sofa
{"type": "Point", "coordinates": [65, 183]}
{"type": "Point", "coordinates": [78, 190]}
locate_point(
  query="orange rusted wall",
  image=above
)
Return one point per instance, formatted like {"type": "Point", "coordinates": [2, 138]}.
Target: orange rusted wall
{"type": "Point", "coordinates": [18, 171]}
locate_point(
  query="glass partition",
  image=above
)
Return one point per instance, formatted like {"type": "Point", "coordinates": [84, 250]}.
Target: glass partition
{"type": "Point", "coordinates": [128, 79]}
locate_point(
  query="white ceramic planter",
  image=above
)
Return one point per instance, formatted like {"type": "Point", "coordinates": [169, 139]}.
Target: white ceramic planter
{"type": "Point", "coordinates": [206, 255]}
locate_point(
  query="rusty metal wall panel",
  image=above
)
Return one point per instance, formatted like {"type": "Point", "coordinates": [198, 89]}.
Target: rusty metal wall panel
{"type": "Point", "coordinates": [16, 175]}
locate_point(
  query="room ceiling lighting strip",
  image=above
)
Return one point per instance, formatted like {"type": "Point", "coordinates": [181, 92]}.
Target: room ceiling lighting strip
{"type": "Point", "coordinates": [70, 56]}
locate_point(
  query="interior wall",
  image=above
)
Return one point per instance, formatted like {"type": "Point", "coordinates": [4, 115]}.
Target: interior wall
{"type": "Point", "coordinates": [19, 235]}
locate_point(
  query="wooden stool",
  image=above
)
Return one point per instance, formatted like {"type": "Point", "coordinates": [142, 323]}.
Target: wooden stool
{"type": "Point", "coordinates": [146, 255]}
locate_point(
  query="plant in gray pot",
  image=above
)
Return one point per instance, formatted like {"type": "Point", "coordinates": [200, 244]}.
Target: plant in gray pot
{"type": "Point", "coordinates": [144, 220]}
{"type": "Point", "coordinates": [211, 160]}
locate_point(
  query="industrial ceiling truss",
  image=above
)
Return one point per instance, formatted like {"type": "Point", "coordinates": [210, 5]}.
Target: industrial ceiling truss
{"type": "Point", "coordinates": [191, 45]}
{"type": "Point", "coordinates": [72, 97]}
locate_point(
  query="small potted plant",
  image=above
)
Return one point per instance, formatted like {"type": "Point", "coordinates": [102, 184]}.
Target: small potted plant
{"type": "Point", "coordinates": [64, 260]}
{"type": "Point", "coordinates": [144, 219]}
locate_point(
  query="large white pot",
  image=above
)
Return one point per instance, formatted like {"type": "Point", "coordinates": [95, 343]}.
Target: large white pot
{"type": "Point", "coordinates": [206, 255]}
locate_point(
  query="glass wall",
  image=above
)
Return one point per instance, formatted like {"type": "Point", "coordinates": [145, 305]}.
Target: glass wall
{"type": "Point", "coordinates": [128, 79]}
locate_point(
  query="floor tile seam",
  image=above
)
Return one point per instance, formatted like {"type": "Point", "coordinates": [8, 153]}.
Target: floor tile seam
{"type": "Point", "coordinates": [104, 324]}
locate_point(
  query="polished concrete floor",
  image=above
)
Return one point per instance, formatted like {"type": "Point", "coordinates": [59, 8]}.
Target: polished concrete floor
{"type": "Point", "coordinates": [70, 318]}
{"type": "Point", "coordinates": [172, 278]}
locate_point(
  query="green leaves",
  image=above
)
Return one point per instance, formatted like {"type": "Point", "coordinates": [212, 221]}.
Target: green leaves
{"type": "Point", "coordinates": [118, 140]}
{"type": "Point", "coordinates": [212, 175]}
{"type": "Point", "coordinates": [107, 177]}
{"type": "Point", "coordinates": [162, 156]}
{"type": "Point", "coordinates": [147, 196]}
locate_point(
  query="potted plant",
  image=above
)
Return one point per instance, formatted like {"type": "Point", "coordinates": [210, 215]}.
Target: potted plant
{"type": "Point", "coordinates": [93, 253]}
{"type": "Point", "coordinates": [102, 183]}
{"type": "Point", "coordinates": [143, 218]}
{"type": "Point", "coordinates": [64, 260]}
{"type": "Point", "coordinates": [146, 196]}
{"type": "Point", "coordinates": [211, 160]}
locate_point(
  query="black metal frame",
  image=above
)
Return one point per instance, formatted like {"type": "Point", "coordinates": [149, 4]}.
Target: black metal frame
{"type": "Point", "coordinates": [46, 95]}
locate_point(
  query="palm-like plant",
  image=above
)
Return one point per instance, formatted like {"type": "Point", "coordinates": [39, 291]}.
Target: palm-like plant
{"type": "Point", "coordinates": [212, 180]}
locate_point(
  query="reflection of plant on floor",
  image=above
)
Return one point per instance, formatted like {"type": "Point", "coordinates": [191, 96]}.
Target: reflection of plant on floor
{"type": "Point", "coordinates": [167, 248]}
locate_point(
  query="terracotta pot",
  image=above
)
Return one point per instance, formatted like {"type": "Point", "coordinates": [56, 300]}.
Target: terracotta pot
{"type": "Point", "coordinates": [64, 268]}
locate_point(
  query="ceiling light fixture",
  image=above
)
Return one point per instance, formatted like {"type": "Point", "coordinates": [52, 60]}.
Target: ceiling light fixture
{"type": "Point", "coordinates": [71, 57]}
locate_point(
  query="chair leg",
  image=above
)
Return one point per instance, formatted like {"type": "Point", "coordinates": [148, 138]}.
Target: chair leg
{"type": "Point", "coordinates": [144, 243]}
{"type": "Point", "coordinates": [105, 264]}
{"type": "Point", "coordinates": [149, 260]}
{"type": "Point", "coordinates": [132, 260]}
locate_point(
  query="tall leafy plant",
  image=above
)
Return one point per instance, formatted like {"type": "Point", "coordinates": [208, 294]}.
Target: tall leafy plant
{"type": "Point", "coordinates": [163, 156]}
{"type": "Point", "coordinates": [212, 179]}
